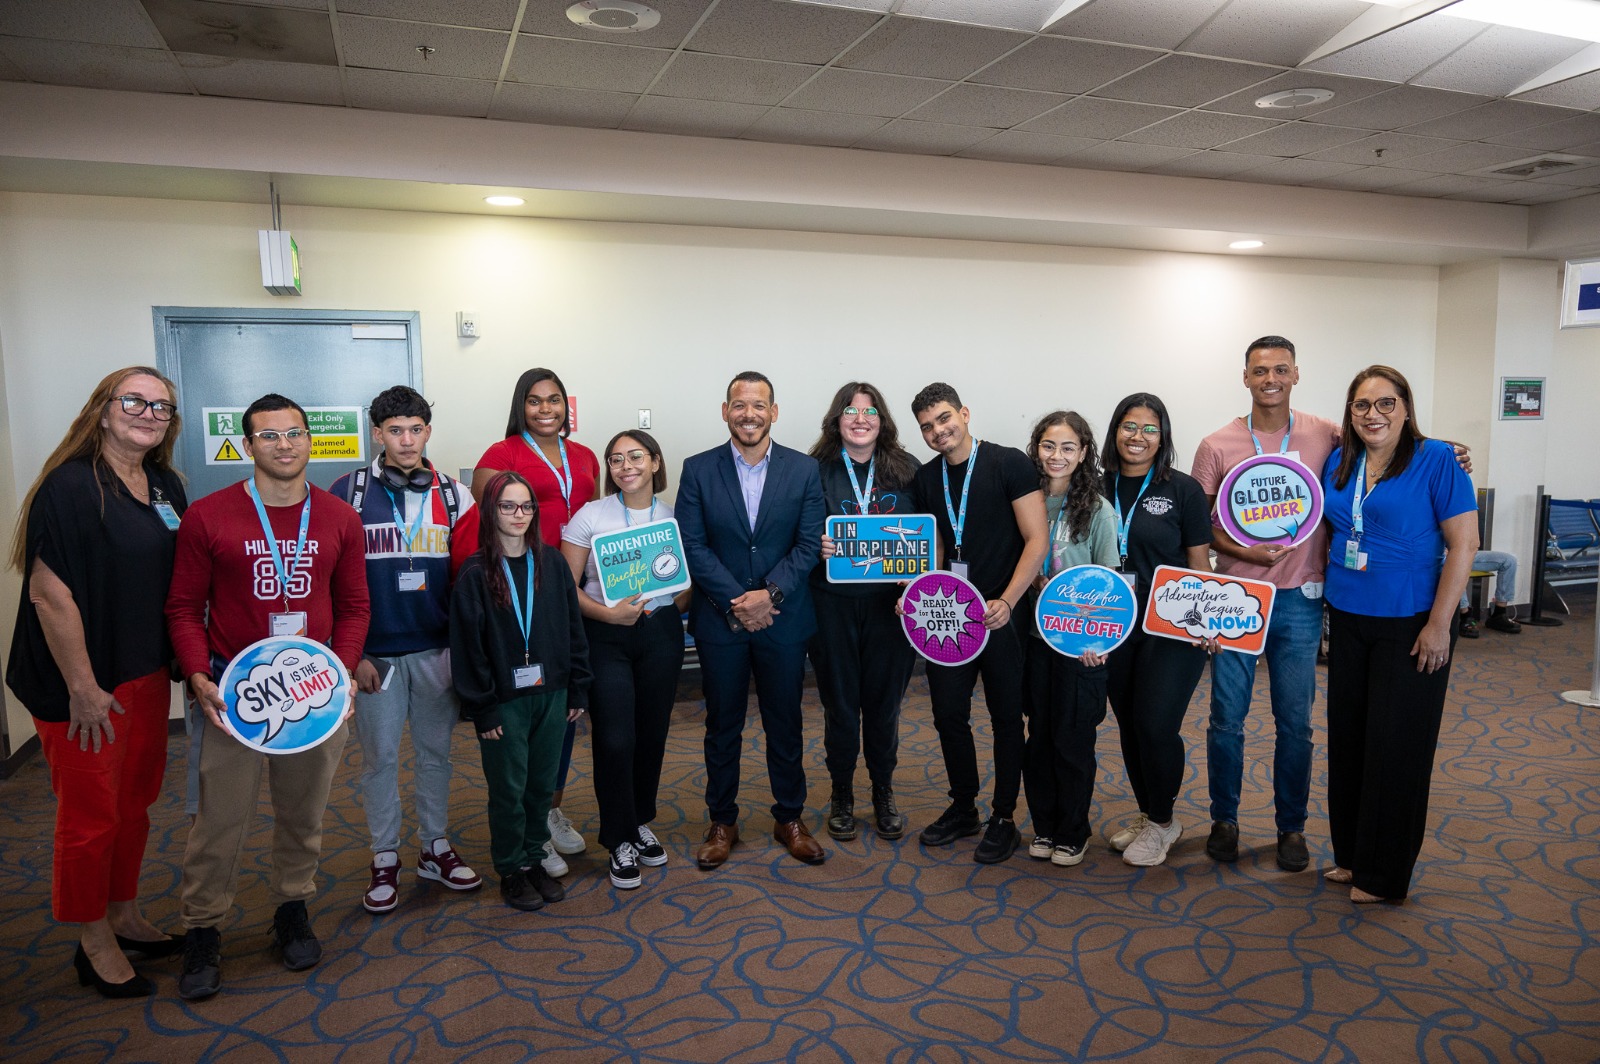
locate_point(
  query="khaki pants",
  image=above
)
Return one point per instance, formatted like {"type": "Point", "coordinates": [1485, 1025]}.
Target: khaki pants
{"type": "Point", "coordinates": [230, 791]}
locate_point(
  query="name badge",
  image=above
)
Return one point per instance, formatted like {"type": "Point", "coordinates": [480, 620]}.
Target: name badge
{"type": "Point", "coordinates": [1295, 455]}
{"type": "Point", "coordinates": [960, 569]}
{"type": "Point", "coordinates": [168, 515]}
{"type": "Point", "coordinates": [289, 623]}
{"type": "Point", "coordinates": [528, 676]}
{"type": "Point", "coordinates": [413, 580]}
{"type": "Point", "coordinates": [1131, 579]}
{"type": "Point", "coordinates": [1354, 557]}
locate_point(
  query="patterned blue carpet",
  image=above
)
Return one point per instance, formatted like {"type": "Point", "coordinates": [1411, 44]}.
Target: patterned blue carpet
{"type": "Point", "coordinates": [891, 952]}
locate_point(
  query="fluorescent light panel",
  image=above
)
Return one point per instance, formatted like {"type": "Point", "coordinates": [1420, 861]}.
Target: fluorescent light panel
{"type": "Point", "coordinates": [1579, 19]}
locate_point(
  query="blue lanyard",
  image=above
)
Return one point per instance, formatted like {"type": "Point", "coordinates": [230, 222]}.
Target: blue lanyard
{"type": "Point", "coordinates": [524, 616]}
{"type": "Point", "coordinates": [408, 536]}
{"type": "Point", "coordinates": [272, 538]}
{"type": "Point", "coordinates": [1116, 500]}
{"type": "Point", "coordinates": [562, 482]}
{"type": "Point", "coordinates": [1358, 499]}
{"type": "Point", "coordinates": [864, 497]}
{"type": "Point", "coordinates": [957, 523]}
{"type": "Point", "coordinates": [627, 518]}
{"type": "Point", "coordinates": [1055, 527]}
{"type": "Point", "coordinates": [1249, 425]}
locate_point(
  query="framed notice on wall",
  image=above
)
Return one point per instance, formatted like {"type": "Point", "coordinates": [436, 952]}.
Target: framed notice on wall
{"type": "Point", "coordinates": [1521, 398]}
{"type": "Point", "coordinates": [1580, 295]}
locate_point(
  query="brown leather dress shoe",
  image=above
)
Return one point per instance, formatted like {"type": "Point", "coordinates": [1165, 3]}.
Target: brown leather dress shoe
{"type": "Point", "coordinates": [794, 837]}
{"type": "Point", "coordinates": [720, 839]}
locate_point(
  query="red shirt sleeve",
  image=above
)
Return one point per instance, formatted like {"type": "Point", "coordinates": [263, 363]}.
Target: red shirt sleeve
{"type": "Point", "coordinates": [189, 592]}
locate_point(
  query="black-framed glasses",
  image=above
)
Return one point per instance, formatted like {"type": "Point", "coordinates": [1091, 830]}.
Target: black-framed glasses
{"type": "Point", "coordinates": [860, 411]}
{"type": "Point", "coordinates": [509, 508]}
{"type": "Point", "coordinates": [272, 436]}
{"type": "Point", "coordinates": [633, 457]}
{"type": "Point", "coordinates": [1133, 428]}
{"type": "Point", "coordinates": [1385, 405]}
{"type": "Point", "coordinates": [136, 405]}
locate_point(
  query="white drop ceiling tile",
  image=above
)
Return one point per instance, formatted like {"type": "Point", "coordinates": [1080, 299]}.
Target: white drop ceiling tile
{"type": "Point", "coordinates": [1208, 164]}
{"type": "Point", "coordinates": [1585, 149]}
{"type": "Point", "coordinates": [865, 93]}
{"type": "Point", "coordinates": [1394, 146]}
{"type": "Point", "coordinates": [1345, 90]}
{"type": "Point", "coordinates": [699, 76]}
{"type": "Point", "coordinates": [790, 125]}
{"type": "Point", "coordinates": [1581, 92]}
{"type": "Point", "coordinates": [1488, 120]}
{"type": "Point", "coordinates": [553, 105]}
{"type": "Point", "coordinates": [692, 118]}
{"type": "Point", "coordinates": [1403, 105]}
{"type": "Point", "coordinates": [1015, 146]}
{"type": "Point", "coordinates": [1293, 172]}
{"type": "Point", "coordinates": [1404, 52]}
{"type": "Point", "coordinates": [584, 64]}
{"type": "Point", "coordinates": [1184, 81]}
{"type": "Point", "coordinates": [1465, 157]}
{"type": "Point", "coordinates": [1271, 31]}
{"type": "Point", "coordinates": [1369, 178]}
{"type": "Point", "coordinates": [95, 66]}
{"type": "Point", "coordinates": [256, 79]}
{"type": "Point", "coordinates": [1055, 64]}
{"type": "Point", "coordinates": [483, 14]}
{"type": "Point", "coordinates": [1026, 15]}
{"type": "Point", "coordinates": [986, 105]}
{"type": "Point", "coordinates": [9, 71]}
{"type": "Point", "coordinates": [548, 18]}
{"type": "Point", "coordinates": [1098, 119]}
{"type": "Point", "coordinates": [121, 22]}
{"type": "Point", "coordinates": [924, 138]}
{"type": "Point", "coordinates": [1201, 129]}
{"type": "Point", "coordinates": [1123, 155]}
{"type": "Point", "coordinates": [880, 6]}
{"type": "Point", "coordinates": [1499, 192]}
{"type": "Point", "coordinates": [922, 48]}
{"type": "Point", "coordinates": [1557, 136]}
{"type": "Point", "coordinates": [423, 94]}
{"type": "Point", "coordinates": [387, 44]}
{"type": "Point", "coordinates": [1446, 185]}
{"type": "Point", "coordinates": [1292, 139]}
{"type": "Point", "coordinates": [1154, 23]}
{"type": "Point", "coordinates": [1498, 60]}
{"type": "Point", "coordinates": [792, 33]}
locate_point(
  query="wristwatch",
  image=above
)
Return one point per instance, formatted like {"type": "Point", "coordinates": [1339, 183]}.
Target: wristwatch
{"type": "Point", "coordinates": [775, 592]}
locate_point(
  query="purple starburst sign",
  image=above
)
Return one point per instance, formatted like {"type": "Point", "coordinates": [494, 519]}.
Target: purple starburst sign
{"type": "Point", "coordinates": [943, 618]}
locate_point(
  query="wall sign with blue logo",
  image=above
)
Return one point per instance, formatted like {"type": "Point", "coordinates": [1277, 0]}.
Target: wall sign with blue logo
{"type": "Point", "coordinates": [1087, 608]}
{"type": "Point", "coordinates": [285, 694]}
{"type": "Point", "coordinates": [1580, 294]}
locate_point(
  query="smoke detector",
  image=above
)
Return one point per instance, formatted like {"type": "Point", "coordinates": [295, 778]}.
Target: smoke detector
{"type": "Point", "coordinates": [1289, 99]}
{"type": "Point", "coordinates": [614, 16]}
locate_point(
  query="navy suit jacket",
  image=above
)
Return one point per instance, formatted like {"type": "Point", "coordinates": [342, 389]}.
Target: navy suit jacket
{"type": "Point", "coordinates": [726, 558]}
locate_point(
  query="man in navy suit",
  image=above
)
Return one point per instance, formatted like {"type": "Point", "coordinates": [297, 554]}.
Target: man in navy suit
{"type": "Point", "coordinates": [751, 514]}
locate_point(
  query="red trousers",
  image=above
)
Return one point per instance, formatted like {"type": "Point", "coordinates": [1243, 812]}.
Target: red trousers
{"type": "Point", "coordinates": [103, 801]}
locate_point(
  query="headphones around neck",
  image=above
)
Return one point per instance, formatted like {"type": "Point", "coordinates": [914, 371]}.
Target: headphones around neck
{"type": "Point", "coordinates": [419, 479]}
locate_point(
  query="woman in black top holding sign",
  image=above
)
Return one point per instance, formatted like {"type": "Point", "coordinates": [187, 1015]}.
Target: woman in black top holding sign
{"type": "Point", "coordinates": [1162, 519]}
{"type": "Point", "coordinates": [860, 655]}
{"type": "Point", "coordinates": [91, 660]}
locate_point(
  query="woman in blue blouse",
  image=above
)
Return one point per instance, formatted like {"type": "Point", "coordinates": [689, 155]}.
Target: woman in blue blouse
{"type": "Point", "coordinates": [1396, 503]}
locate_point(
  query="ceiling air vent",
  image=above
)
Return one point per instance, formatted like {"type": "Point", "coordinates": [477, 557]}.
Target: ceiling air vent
{"type": "Point", "coordinates": [1537, 166]}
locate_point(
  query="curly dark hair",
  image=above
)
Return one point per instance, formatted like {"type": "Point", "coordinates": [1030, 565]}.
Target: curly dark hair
{"type": "Point", "coordinates": [897, 464]}
{"type": "Point", "coordinates": [1083, 490]}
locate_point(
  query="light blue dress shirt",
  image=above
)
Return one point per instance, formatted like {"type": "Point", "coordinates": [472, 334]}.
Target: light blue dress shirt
{"type": "Point", "coordinates": [752, 480]}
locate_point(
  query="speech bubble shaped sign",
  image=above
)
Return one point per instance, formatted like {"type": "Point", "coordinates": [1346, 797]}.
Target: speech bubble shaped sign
{"type": "Point", "coordinates": [284, 694]}
{"type": "Point", "coordinates": [1269, 498]}
{"type": "Point", "coordinates": [1192, 605]}
{"type": "Point", "coordinates": [943, 618]}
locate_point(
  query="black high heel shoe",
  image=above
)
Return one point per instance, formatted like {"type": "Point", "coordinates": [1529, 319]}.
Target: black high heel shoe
{"type": "Point", "coordinates": [138, 986]}
{"type": "Point", "coordinates": [154, 949]}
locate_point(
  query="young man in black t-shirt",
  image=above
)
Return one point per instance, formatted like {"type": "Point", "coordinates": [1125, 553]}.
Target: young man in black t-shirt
{"type": "Point", "coordinates": [993, 532]}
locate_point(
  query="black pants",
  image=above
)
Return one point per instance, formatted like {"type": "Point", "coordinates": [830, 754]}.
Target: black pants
{"type": "Point", "coordinates": [1149, 683]}
{"type": "Point", "coordinates": [630, 709]}
{"type": "Point", "coordinates": [1065, 703]}
{"type": "Point", "coordinates": [725, 672]}
{"type": "Point", "coordinates": [863, 662]}
{"type": "Point", "coordinates": [950, 688]}
{"type": "Point", "coordinates": [1383, 729]}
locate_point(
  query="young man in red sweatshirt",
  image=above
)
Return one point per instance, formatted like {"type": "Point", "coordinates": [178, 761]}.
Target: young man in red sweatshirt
{"type": "Point", "coordinates": [230, 589]}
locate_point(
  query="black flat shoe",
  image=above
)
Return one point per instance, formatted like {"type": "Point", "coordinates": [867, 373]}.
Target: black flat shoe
{"type": "Point", "coordinates": [138, 986]}
{"type": "Point", "coordinates": [154, 949]}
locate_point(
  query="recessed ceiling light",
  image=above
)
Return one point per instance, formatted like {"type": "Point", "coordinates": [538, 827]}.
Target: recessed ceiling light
{"type": "Point", "coordinates": [1564, 18]}
{"type": "Point", "coordinates": [1292, 98]}
{"type": "Point", "coordinates": [1246, 245]}
{"type": "Point", "coordinates": [613, 16]}
{"type": "Point", "coordinates": [503, 201]}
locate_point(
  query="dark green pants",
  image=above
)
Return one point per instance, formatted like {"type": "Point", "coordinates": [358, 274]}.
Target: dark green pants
{"type": "Point", "coordinates": [520, 769]}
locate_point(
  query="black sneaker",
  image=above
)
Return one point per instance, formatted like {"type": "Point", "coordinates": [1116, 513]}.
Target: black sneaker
{"type": "Point", "coordinates": [954, 823]}
{"type": "Point", "coordinates": [518, 892]}
{"type": "Point", "coordinates": [1469, 625]}
{"type": "Point", "coordinates": [1500, 620]}
{"type": "Point", "coordinates": [1292, 855]}
{"type": "Point", "coordinates": [202, 963]}
{"type": "Point", "coordinates": [293, 937]}
{"type": "Point", "coordinates": [651, 853]}
{"type": "Point", "coordinates": [886, 816]}
{"type": "Point", "coordinates": [545, 884]}
{"type": "Point", "coordinates": [624, 867]}
{"type": "Point", "coordinates": [842, 813]}
{"type": "Point", "coordinates": [999, 842]}
{"type": "Point", "coordinates": [1223, 844]}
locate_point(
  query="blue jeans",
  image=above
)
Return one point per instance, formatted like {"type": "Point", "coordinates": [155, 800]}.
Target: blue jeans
{"type": "Point", "coordinates": [1504, 566]}
{"type": "Point", "coordinates": [1291, 656]}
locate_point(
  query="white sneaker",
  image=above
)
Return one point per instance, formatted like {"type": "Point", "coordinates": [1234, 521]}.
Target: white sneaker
{"type": "Point", "coordinates": [564, 835]}
{"type": "Point", "coordinates": [1150, 847]}
{"type": "Point", "coordinates": [552, 863]}
{"type": "Point", "coordinates": [1065, 856]}
{"type": "Point", "coordinates": [1122, 838]}
{"type": "Point", "coordinates": [1041, 847]}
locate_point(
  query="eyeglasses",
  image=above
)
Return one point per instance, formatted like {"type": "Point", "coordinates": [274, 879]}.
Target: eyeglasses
{"type": "Point", "coordinates": [860, 411]}
{"type": "Point", "coordinates": [509, 508]}
{"type": "Point", "coordinates": [136, 405]}
{"type": "Point", "coordinates": [272, 436]}
{"type": "Point", "coordinates": [548, 400]}
{"type": "Point", "coordinates": [1133, 428]}
{"type": "Point", "coordinates": [398, 431]}
{"type": "Point", "coordinates": [1385, 405]}
{"type": "Point", "coordinates": [622, 458]}
{"type": "Point", "coordinates": [1049, 447]}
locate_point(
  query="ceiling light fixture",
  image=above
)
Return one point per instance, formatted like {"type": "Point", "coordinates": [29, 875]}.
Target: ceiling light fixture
{"type": "Point", "coordinates": [1289, 99]}
{"type": "Point", "coordinates": [1564, 18]}
{"type": "Point", "coordinates": [613, 16]}
{"type": "Point", "coordinates": [1246, 245]}
{"type": "Point", "coordinates": [503, 201]}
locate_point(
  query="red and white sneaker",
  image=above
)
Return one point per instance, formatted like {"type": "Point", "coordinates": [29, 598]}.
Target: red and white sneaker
{"type": "Point", "coordinates": [439, 863]}
{"type": "Point", "coordinates": [383, 893]}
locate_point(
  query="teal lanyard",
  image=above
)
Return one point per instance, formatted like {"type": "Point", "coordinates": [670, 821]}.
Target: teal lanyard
{"type": "Point", "coordinates": [272, 538]}
{"type": "Point", "coordinates": [627, 518]}
{"type": "Point", "coordinates": [958, 523]}
{"type": "Point", "coordinates": [1055, 528]}
{"type": "Point", "coordinates": [865, 497]}
{"type": "Point", "coordinates": [524, 616]}
{"type": "Point", "coordinates": [408, 536]}
{"type": "Point", "coordinates": [563, 475]}
{"type": "Point", "coordinates": [1358, 498]}
{"type": "Point", "coordinates": [1249, 425]}
{"type": "Point", "coordinates": [1123, 525]}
